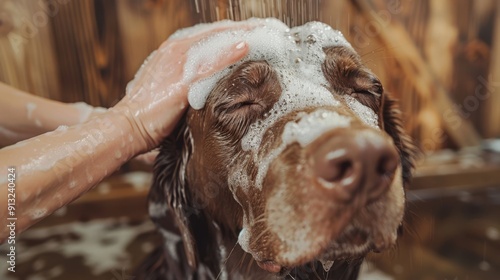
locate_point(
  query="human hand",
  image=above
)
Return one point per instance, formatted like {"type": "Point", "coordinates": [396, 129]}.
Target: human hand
{"type": "Point", "coordinates": [157, 96]}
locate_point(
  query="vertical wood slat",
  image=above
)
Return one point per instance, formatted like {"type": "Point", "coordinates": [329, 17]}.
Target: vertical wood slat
{"type": "Point", "coordinates": [26, 47]}
{"type": "Point", "coordinates": [90, 57]}
{"type": "Point", "coordinates": [145, 24]}
{"type": "Point", "coordinates": [439, 38]}
{"type": "Point", "coordinates": [472, 58]}
{"type": "Point", "coordinates": [491, 115]}
{"type": "Point", "coordinates": [70, 31]}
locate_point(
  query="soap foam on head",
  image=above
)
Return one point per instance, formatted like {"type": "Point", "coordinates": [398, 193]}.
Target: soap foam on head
{"type": "Point", "coordinates": [296, 55]}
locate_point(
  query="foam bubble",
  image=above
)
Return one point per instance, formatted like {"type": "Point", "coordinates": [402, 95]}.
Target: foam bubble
{"type": "Point", "coordinates": [244, 240]}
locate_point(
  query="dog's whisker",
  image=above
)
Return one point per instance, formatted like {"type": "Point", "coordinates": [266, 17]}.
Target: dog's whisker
{"type": "Point", "coordinates": [225, 261]}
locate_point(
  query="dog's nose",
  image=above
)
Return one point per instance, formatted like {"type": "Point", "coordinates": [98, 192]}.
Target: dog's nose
{"type": "Point", "coordinates": [356, 161]}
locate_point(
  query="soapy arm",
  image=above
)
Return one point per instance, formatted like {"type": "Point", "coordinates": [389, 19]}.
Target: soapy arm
{"type": "Point", "coordinates": [55, 168]}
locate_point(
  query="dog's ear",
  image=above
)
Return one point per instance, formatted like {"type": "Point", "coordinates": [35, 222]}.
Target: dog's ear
{"type": "Point", "coordinates": [393, 125]}
{"type": "Point", "coordinates": [171, 186]}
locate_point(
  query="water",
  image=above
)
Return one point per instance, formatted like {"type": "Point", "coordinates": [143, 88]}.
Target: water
{"type": "Point", "coordinates": [291, 12]}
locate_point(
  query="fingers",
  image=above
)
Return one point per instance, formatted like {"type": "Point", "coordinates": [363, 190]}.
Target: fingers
{"type": "Point", "coordinates": [232, 55]}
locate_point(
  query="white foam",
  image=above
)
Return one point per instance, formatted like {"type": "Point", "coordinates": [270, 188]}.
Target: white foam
{"type": "Point", "coordinates": [295, 53]}
{"type": "Point", "coordinates": [84, 109]}
{"type": "Point", "coordinates": [62, 128]}
{"type": "Point", "coordinates": [313, 125]}
{"type": "Point", "coordinates": [365, 114]}
{"type": "Point", "coordinates": [304, 131]}
{"type": "Point", "coordinates": [244, 240]}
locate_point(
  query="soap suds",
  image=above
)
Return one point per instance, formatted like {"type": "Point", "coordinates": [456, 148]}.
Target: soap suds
{"type": "Point", "coordinates": [365, 114]}
{"type": "Point", "coordinates": [313, 125]}
{"type": "Point", "coordinates": [244, 240]}
{"type": "Point", "coordinates": [295, 53]}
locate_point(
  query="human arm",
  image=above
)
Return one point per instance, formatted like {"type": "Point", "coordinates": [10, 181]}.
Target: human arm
{"type": "Point", "coordinates": [23, 115]}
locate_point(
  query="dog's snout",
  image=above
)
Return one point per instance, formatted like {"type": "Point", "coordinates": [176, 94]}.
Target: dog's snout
{"type": "Point", "coordinates": [356, 161]}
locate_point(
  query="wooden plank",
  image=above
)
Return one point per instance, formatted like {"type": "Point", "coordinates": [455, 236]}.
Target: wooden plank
{"type": "Point", "coordinates": [456, 177]}
{"type": "Point", "coordinates": [145, 24]}
{"type": "Point", "coordinates": [26, 48]}
{"type": "Point", "coordinates": [121, 195]}
{"type": "Point", "coordinates": [87, 42]}
{"type": "Point", "coordinates": [492, 113]}
{"type": "Point", "coordinates": [417, 70]}
{"type": "Point", "coordinates": [467, 169]}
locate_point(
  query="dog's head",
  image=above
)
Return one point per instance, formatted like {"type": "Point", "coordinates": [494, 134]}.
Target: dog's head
{"type": "Point", "coordinates": [297, 151]}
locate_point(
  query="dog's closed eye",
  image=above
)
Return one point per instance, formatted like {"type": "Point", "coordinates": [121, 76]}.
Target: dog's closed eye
{"type": "Point", "coordinates": [248, 93]}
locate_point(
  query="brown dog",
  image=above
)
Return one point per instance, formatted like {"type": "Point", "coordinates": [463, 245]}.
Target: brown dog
{"type": "Point", "coordinates": [279, 174]}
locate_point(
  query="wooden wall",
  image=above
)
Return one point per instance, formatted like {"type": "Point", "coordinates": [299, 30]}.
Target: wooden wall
{"type": "Point", "coordinates": [441, 58]}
